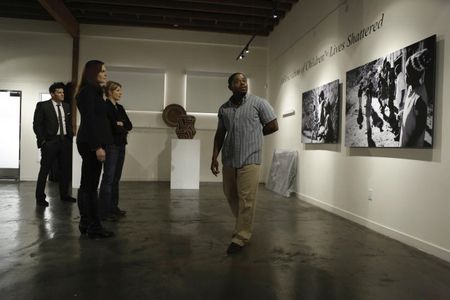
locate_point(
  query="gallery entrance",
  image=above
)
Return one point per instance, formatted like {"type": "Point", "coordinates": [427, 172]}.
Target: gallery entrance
{"type": "Point", "coordinates": [10, 108]}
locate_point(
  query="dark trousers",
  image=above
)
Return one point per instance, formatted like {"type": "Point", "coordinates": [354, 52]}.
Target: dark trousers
{"type": "Point", "coordinates": [91, 168]}
{"type": "Point", "coordinates": [55, 150]}
{"type": "Point", "coordinates": [112, 171]}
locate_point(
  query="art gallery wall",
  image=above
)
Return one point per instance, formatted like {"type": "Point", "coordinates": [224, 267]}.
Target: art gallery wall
{"type": "Point", "coordinates": [34, 54]}
{"type": "Point", "coordinates": [409, 188]}
{"type": "Point", "coordinates": [177, 53]}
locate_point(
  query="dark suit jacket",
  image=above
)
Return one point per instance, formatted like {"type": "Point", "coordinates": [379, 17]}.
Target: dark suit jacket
{"type": "Point", "coordinates": [95, 128]}
{"type": "Point", "coordinates": [45, 121]}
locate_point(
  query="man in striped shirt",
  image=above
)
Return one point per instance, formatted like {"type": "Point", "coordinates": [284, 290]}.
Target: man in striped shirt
{"type": "Point", "coordinates": [243, 120]}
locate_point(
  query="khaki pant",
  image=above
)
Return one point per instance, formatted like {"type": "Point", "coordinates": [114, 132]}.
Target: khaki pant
{"type": "Point", "coordinates": [240, 187]}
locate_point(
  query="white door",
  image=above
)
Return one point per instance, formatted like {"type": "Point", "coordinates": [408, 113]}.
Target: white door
{"type": "Point", "coordinates": [10, 104]}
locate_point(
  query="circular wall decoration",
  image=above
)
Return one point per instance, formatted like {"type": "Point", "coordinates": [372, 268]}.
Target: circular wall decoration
{"type": "Point", "coordinates": [171, 113]}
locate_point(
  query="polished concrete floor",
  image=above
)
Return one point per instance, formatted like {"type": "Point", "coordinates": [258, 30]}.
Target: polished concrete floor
{"type": "Point", "coordinates": [172, 245]}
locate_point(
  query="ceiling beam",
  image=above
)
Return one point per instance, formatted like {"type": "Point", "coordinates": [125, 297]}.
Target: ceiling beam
{"type": "Point", "coordinates": [29, 13]}
{"type": "Point", "coordinates": [179, 24]}
{"type": "Point", "coordinates": [284, 5]}
{"type": "Point", "coordinates": [235, 16]}
{"type": "Point", "coordinates": [281, 5]}
{"type": "Point", "coordinates": [93, 9]}
{"type": "Point", "coordinates": [179, 5]}
{"type": "Point", "coordinates": [62, 15]}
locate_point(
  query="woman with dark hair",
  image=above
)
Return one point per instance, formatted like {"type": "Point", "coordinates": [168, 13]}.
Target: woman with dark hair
{"type": "Point", "coordinates": [93, 136]}
{"type": "Point", "coordinates": [115, 153]}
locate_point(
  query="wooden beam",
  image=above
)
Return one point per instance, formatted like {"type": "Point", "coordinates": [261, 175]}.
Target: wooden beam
{"type": "Point", "coordinates": [177, 5]}
{"type": "Point", "coordinates": [244, 29]}
{"type": "Point", "coordinates": [62, 15]}
{"type": "Point", "coordinates": [284, 5]}
{"type": "Point", "coordinates": [248, 4]}
{"type": "Point", "coordinates": [92, 10]}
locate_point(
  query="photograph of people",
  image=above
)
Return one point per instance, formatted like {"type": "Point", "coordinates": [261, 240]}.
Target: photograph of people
{"type": "Point", "coordinates": [320, 114]}
{"type": "Point", "coordinates": [396, 92]}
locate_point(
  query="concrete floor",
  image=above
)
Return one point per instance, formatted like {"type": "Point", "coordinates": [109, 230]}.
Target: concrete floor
{"type": "Point", "coordinates": [172, 246]}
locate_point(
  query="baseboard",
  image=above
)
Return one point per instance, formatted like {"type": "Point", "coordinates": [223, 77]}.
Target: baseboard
{"type": "Point", "coordinates": [405, 238]}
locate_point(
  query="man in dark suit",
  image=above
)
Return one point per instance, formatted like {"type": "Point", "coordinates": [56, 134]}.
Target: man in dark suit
{"type": "Point", "coordinates": [52, 125]}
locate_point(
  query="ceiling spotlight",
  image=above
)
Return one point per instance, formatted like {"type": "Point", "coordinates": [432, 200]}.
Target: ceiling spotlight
{"type": "Point", "coordinates": [274, 9]}
{"type": "Point", "coordinates": [245, 50]}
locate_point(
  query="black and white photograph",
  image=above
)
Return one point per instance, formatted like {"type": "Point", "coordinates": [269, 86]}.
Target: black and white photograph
{"type": "Point", "coordinates": [320, 114]}
{"type": "Point", "coordinates": [390, 101]}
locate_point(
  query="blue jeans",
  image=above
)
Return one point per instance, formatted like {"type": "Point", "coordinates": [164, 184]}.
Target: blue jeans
{"type": "Point", "coordinates": [112, 171]}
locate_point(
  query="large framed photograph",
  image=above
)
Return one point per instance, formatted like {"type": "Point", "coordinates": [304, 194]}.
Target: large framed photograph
{"type": "Point", "coordinates": [320, 114]}
{"type": "Point", "coordinates": [390, 101]}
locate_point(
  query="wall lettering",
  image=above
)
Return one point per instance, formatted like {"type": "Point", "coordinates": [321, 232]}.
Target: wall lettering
{"type": "Point", "coordinates": [334, 49]}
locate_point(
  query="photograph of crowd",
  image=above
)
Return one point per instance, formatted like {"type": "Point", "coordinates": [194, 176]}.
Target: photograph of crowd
{"type": "Point", "coordinates": [320, 114]}
{"type": "Point", "coordinates": [390, 101]}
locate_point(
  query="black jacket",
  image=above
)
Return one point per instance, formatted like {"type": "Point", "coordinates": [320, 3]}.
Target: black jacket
{"type": "Point", "coordinates": [95, 129]}
{"type": "Point", "coordinates": [117, 113]}
{"type": "Point", "coordinates": [45, 121]}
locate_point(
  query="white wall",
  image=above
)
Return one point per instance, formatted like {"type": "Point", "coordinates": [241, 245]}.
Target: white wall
{"type": "Point", "coordinates": [176, 52]}
{"type": "Point", "coordinates": [33, 54]}
{"type": "Point", "coordinates": [411, 187]}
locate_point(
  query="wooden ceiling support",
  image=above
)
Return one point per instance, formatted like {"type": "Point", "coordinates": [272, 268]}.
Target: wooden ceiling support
{"type": "Point", "coordinates": [62, 15]}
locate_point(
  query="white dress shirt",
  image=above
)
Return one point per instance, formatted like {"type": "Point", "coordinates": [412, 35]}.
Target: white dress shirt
{"type": "Point", "coordinates": [63, 116]}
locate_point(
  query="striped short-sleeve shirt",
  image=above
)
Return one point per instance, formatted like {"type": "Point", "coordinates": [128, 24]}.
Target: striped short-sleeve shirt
{"type": "Point", "coordinates": [243, 125]}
